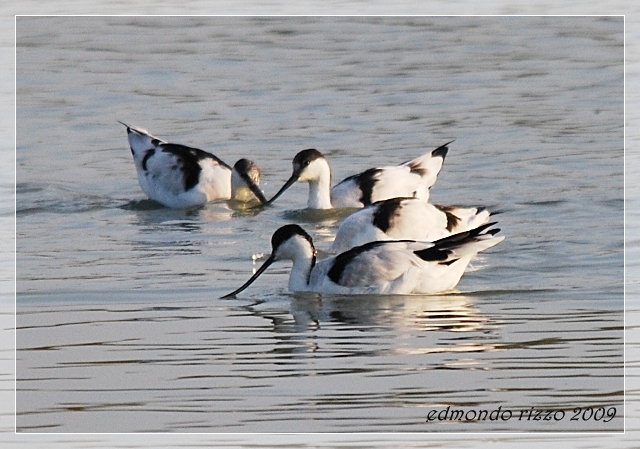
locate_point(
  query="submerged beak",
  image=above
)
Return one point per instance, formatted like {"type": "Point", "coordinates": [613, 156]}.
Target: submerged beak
{"type": "Point", "coordinates": [289, 183]}
{"type": "Point", "coordinates": [261, 270]}
{"type": "Point", "coordinates": [256, 191]}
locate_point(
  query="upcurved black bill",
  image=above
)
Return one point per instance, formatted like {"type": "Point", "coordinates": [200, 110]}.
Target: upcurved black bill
{"type": "Point", "coordinates": [261, 270]}
{"type": "Point", "coordinates": [256, 191]}
{"type": "Point", "coordinates": [292, 180]}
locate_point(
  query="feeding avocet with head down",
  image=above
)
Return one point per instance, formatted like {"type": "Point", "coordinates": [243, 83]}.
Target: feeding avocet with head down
{"type": "Point", "coordinates": [411, 179]}
{"type": "Point", "coordinates": [388, 267]}
{"type": "Point", "coordinates": [405, 219]}
{"type": "Point", "coordinates": [180, 176]}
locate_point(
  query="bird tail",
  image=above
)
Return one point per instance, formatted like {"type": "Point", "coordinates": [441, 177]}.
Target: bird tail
{"type": "Point", "coordinates": [452, 248]}
{"type": "Point", "coordinates": [429, 164]}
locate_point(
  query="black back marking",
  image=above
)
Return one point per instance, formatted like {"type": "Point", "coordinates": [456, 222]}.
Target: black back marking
{"type": "Point", "coordinates": [188, 161]}
{"type": "Point", "coordinates": [145, 158]}
{"type": "Point", "coordinates": [385, 213]}
{"type": "Point", "coordinates": [365, 181]}
{"type": "Point", "coordinates": [416, 169]}
{"type": "Point", "coordinates": [440, 251]}
{"type": "Point", "coordinates": [341, 261]}
{"type": "Point", "coordinates": [452, 219]}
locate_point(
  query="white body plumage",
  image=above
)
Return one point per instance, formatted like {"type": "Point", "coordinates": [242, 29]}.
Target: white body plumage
{"type": "Point", "coordinates": [405, 219]}
{"type": "Point", "coordinates": [179, 176]}
{"type": "Point", "coordinates": [411, 179]}
{"type": "Point", "coordinates": [386, 267]}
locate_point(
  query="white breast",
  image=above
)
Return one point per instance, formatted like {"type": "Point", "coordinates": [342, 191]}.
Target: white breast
{"type": "Point", "coordinates": [404, 219]}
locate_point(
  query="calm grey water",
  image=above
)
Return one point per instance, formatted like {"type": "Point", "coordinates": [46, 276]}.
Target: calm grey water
{"type": "Point", "coordinates": [119, 328]}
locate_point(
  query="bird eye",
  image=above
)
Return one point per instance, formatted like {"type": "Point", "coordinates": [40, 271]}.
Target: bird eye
{"type": "Point", "coordinates": [306, 163]}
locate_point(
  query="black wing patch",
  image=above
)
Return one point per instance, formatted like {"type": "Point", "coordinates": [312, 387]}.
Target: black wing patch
{"type": "Point", "coordinates": [442, 248]}
{"type": "Point", "coordinates": [452, 219]}
{"type": "Point", "coordinates": [433, 254]}
{"type": "Point", "coordinates": [147, 155]}
{"type": "Point", "coordinates": [342, 260]}
{"type": "Point", "coordinates": [386, 211]}
{"type": "Point", "coordinates": [365, 182]}
{"type": "Point", "coordinates": [188, 161]}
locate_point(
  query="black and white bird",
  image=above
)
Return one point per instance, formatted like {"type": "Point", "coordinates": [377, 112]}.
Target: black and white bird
{"type": "Point", "coordinates": [405, 219]}
{"type": "Point", "coordinates": [384, 267]}
{"type": "Point", "coordinates": [411, 179]}
{"type": "Point", "coordinates": [179, 176]}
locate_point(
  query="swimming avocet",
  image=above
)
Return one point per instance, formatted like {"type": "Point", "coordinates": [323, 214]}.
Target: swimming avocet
{"type": "Point", "coordinates": [388, 267]}
{"type": "Point", "coordinates": [180, 176]}
{"type": "Point", "coordinates": [411, 179]}
{"type": "Point", "coordinates": [405, 219]}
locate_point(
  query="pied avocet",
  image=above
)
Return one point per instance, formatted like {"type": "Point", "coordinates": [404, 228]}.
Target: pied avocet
{"type": "Point", "coordinates": [405, 219]}
{"type": "Point", "coordinates": [179, 176]}
{"type": "Point", "coordinates": [383, 267]}
{"type": "Point", "coordinates": [411, 179]}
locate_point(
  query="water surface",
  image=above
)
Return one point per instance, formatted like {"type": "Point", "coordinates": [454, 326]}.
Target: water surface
{"type": "Point", "coordinates": [119, 325]}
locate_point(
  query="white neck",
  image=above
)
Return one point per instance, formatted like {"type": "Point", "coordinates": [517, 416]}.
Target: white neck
{"type": "Point", "coordinates": [299, 277]}
{"type": "Point", "coordinates": [320, 194]}
{"type": "Point", "coordinates": [318, 175]}
{"type": "Point", "coordinates": [302, 254]}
